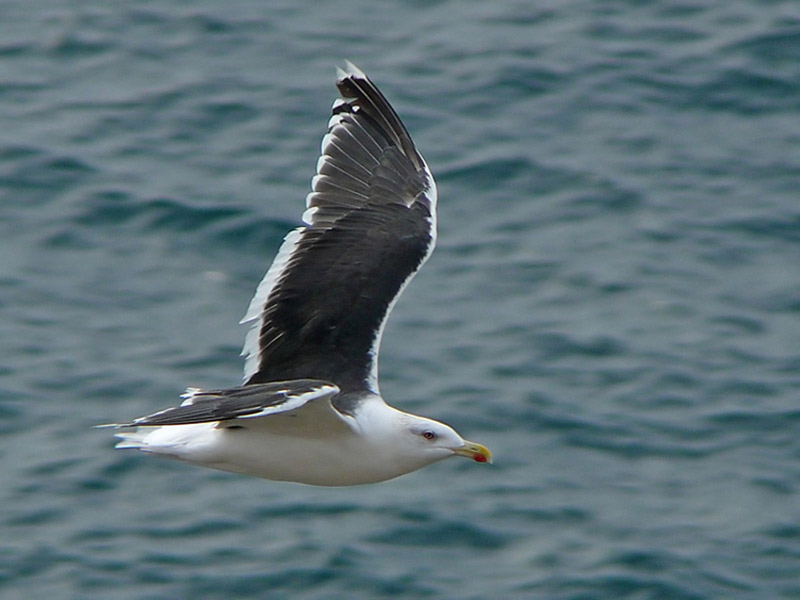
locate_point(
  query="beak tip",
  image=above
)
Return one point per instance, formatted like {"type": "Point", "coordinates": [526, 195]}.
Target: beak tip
{"type": "Point", "coordinates": [477, 452]}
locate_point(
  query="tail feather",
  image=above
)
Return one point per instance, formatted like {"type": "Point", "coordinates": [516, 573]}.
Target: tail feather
{"type": "Point", "coordinates": [132, 439]}
{"type": "Point", "coordinates": [184, 442]}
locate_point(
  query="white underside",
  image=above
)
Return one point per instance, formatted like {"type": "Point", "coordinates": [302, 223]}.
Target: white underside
{"type": "Point", "coordinates": [297, 446]}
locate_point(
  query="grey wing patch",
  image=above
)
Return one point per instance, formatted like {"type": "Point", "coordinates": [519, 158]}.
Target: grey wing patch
{"type": "Point", "coordinates": [246, 402]}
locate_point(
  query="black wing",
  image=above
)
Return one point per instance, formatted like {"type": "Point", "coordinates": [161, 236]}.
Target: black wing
{"type": "Point", "coordinates": [321, 308]}
{"type": "Point", "coordinates": [251, 401]}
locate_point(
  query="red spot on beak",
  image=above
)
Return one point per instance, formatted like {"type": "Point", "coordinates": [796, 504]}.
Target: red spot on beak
{"type": "Point", "coordinates": [480, 458]}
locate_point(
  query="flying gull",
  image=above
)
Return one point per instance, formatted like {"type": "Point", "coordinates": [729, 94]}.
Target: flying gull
{"type": "Point", "coordinates": [310, 410]}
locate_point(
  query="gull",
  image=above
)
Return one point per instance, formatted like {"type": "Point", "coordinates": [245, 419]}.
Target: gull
{"type": "Point", "coordinates": [310, 409]}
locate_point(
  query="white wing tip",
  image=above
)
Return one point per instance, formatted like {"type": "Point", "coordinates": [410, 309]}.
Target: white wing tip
{"type": "Point", "coordinates": [350, 70]}
{"type": "Point", "coordinates": [188, 396]}
{"type": "Point", "coordinates": [308, 214]}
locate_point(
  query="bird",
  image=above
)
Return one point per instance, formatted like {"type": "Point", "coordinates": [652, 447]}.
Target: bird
{"type": "Point", "coordinates": [310, 409]}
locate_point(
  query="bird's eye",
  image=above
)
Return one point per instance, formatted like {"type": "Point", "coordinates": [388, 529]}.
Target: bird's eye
{"type": "Point", "coordinates": [428, 434]}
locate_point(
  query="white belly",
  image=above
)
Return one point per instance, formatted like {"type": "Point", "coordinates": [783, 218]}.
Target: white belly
{"type": "Point", "coordinates": [343, 458]}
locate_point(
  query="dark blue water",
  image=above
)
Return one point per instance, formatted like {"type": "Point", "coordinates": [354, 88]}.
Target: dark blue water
{"type": "Point", "coordinates": [613, 308]}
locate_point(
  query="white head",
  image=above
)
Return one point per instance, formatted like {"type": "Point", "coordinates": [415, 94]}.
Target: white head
{"type": "Point", "coordinates": [433, 441]}
{"type": "Point", "coordinates": [412, 442]}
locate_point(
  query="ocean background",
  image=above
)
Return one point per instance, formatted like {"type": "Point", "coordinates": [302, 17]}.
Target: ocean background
{"type": "Point", "coordinates": [613, 307]}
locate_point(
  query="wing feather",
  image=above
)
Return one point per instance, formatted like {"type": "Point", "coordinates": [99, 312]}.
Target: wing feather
{"type": "Point", "coordinates": [246, 402]}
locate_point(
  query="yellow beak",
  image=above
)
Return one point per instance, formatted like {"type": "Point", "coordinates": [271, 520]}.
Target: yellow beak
{"type": "Point", "coordinates": [477, 452]}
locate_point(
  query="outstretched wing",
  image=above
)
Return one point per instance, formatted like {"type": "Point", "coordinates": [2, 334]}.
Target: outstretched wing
{"type": "Point", "coordinates": [371, 223]}
{"type": "Point", "coordinates": [246, 402]}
